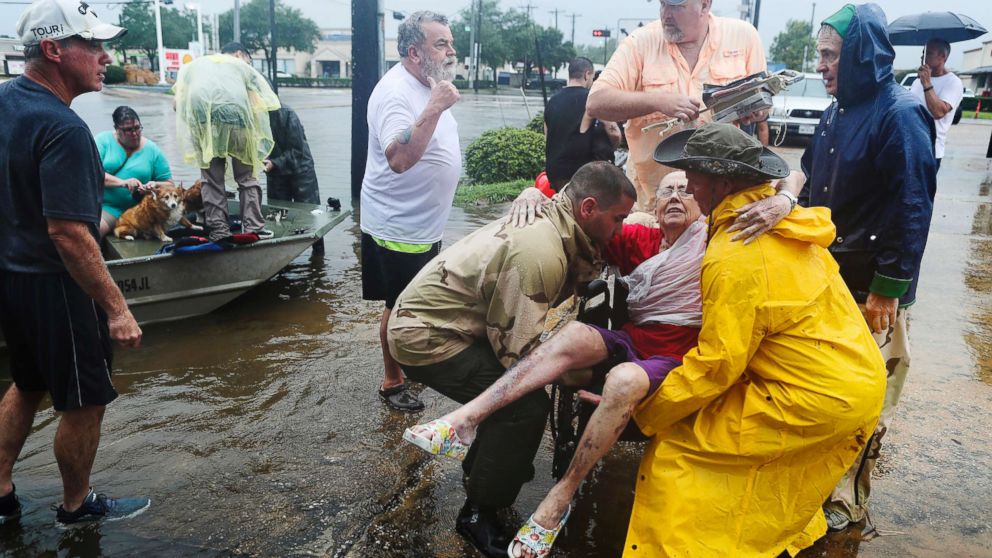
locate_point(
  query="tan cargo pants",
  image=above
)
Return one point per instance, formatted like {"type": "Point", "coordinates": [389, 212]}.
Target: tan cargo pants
{"type": "Point", "coordinates": [850, 497]}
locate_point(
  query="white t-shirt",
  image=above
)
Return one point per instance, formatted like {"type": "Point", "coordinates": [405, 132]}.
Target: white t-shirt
{"type": "Point", "coordinates": [411, 207]}
{"type": "Point", "coordinates": [949, 89]}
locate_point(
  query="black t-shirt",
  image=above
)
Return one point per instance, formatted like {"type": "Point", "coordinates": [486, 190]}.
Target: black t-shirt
{"type": "Point", "coordinates": [49, 167]}
{"type": "Point", "coordinates": [566, 149]}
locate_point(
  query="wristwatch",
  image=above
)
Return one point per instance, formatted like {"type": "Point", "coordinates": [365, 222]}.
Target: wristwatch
{"type": "Point", "coordinates": [793, 200]}
{"type": "Point", "coordinates": [927, 88]}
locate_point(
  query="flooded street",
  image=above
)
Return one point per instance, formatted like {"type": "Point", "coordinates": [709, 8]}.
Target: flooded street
{"type": "Point", "coordinates": [257, 431]}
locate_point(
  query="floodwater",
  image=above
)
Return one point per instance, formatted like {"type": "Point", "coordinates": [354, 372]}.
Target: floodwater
{"type": "Point", "coordinates": [257, 431]}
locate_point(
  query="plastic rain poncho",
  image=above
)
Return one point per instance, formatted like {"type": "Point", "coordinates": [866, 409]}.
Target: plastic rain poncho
{"type": "Point", "coordinates": [753, 431]}
{"type": "Point", "coordinates": [222, 107]}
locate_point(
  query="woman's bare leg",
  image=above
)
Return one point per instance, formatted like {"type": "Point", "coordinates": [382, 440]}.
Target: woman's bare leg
{"type": "Point", "coordinates": [576, 346]}
{"type": "Point", "coordinates": [626, 385]}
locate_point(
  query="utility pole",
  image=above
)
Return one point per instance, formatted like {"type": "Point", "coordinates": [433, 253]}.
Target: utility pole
{"type": "Point", "coordinates": [274, 48]}
{"type": "Point", "coordinates": [477, 46]}
{"type": "Point", "coordinates": [555, 11]}
{"type": "Point", "coordinates": [161, 48]}
{"type": "Point", "coordinates": [529, 7]}
{"type": "Point", "coordinates": [757, 12]}
{"type": "Point", "coordinates": [471, 49]}
{"type": "Point", "coordinates": [812, 15]}
{"type": "Point", "coordinates": [199, 26]}
{"type": "Point", "coordinates": [573, 16]}
{"type": "Point", "coordinates": [215, 32]}
{"type": "Point", "coordinates": [237, 21]}
{"type": "Point", "coordinates": [365, 73]}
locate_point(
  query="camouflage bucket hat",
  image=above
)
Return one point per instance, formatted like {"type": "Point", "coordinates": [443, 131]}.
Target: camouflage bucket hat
{"type": "Point", "coordinates": [720, 149]}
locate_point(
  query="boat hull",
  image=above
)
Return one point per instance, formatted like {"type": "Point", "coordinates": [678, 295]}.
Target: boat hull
{"type": "Point", "coordinates": [165, 287]}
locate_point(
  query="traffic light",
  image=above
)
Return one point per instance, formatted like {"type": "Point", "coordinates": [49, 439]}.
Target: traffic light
{"type": "Point", "coordinates": [604, 33]}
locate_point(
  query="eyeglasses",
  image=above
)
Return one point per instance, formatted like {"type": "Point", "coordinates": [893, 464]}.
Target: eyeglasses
{"type": "Point", "coordinates": [668, 192]}
{"type": "Point", "coordinates": [131, 129]}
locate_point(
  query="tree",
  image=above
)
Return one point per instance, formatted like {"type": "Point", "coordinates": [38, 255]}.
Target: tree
{"type": "Point", "coordinates": [178, 29]}
{"type": "Point", "coordinates": [493, 52]}
{"type": "Point", "coordinates": [789, 45]}
{"type": "Point", "coordinates": [595, 52]}
{"type": "Point", "coordinates": [511, 36]}
{"type": "Point", "coordinates": [554, 53]}
{"type": "Point", "coordinates": [294, 31]}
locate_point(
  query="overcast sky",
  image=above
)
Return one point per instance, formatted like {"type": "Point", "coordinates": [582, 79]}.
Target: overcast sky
{"type": "Point", "coordinates": [597, 13]}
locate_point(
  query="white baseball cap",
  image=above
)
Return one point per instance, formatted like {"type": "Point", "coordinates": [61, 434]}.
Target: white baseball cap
{"type": "Point", "coordinates": [60, 19]}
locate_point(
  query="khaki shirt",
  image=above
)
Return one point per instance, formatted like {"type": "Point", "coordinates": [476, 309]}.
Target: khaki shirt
{"type": "Point", "coordinates": [497, 283]}
{"type": "Point", "coordinates": [645, 61]}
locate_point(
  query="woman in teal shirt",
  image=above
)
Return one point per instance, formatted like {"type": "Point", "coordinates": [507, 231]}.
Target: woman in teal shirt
{"type": "Point", "coordinates": [131, 163]}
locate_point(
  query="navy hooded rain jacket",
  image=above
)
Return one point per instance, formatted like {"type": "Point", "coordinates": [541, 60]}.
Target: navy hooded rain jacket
{"type": "Point", "coordinates": [871, 161]}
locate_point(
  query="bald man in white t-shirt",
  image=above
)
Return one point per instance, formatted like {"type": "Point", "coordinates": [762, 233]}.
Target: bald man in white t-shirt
{"type": "Point", "coordinates": [940, 90]}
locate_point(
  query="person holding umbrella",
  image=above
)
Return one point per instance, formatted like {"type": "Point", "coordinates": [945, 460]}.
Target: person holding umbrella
{"type": "Point", "coordinates": [939, 89]}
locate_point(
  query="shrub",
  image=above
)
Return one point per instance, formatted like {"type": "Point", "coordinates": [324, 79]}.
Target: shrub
{"type": "Point", "coordinates": [299, 81]}
{"type": "Point", "coordinates": [505, 154]}
{"type": "Point", "coordinates": [968, 104]}
{"type": "Point", "coordinates": [115, 74]}
{"type": "Point", "coordinates": [536, 124]}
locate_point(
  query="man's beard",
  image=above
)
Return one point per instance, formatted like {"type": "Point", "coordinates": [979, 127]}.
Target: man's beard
{"type": "Point", "coordinates": [673, 34]}
{"type": "Point", "coordinates": [443, 70]}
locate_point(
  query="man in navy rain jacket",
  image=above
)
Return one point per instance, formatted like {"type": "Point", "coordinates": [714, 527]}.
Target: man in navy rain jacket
{"type": "Point", "coordinates": [871, 161]}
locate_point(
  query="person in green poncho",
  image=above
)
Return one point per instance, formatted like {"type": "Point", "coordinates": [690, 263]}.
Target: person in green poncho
{"type": "Point", "coordinates": [222, 107]}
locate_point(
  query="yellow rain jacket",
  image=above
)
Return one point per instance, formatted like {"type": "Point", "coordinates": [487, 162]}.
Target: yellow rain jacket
{"type": "Point", "coordinates": [765, 415]}
{"type": "Point", "coordinates": [222, 107]}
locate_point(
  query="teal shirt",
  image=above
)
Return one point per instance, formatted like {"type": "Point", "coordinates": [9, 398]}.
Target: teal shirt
{"type": "Point", "coordinates": [146, 164]}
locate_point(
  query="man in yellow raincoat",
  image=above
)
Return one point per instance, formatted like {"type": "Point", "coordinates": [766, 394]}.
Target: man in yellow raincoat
{"type": "Point", "coordinates": [222, 107]}
{"type": "Point", "coordinates": [765, 415]}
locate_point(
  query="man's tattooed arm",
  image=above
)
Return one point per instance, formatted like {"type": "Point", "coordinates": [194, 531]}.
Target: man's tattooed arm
{"type": "Point", "coordinates": [404, 136]}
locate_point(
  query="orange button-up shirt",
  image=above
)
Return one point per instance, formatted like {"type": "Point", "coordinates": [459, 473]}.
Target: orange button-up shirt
{"type": "Point", "coordinates": [645, 61]}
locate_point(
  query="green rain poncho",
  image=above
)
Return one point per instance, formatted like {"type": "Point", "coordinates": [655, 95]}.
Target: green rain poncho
{"type": "Point", "coordinates": [222, 107]}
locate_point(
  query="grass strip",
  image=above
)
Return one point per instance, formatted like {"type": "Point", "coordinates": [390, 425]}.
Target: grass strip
{"type": "Point", "coordinates": [483, 194]}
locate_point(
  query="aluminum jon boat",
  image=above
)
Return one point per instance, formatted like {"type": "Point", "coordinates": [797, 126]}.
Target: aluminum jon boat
{"type": "Point", "coordinates": [164, 287]}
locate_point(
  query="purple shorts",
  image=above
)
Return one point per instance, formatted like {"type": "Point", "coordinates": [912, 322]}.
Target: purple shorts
{"type": "Point", "coordinates": [621, 349]}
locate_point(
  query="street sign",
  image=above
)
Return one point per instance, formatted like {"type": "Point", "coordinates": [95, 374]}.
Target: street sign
{"type": "Point", "coordinates": [604, 33]}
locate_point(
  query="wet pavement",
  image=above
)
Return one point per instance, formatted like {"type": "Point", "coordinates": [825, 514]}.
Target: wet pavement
{"type": "Point", "coordinates": [256, 430]}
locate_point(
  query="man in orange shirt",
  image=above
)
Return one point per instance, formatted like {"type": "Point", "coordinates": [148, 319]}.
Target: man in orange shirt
{"type": "Point", "coordinates": [659, 72]}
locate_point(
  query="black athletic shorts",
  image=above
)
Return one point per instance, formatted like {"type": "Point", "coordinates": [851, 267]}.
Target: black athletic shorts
{"type": "Point", "coordinates": [57, 339]}
{"type": "Point", "coordinates": [385, 272]}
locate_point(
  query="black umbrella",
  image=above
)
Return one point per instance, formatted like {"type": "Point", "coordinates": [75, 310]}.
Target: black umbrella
{"type": "Point", "coordinates": [918, 29]}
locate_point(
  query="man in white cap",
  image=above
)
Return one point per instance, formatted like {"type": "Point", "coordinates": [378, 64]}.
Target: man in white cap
{"type": "Point", "coordinates": [59, 307]}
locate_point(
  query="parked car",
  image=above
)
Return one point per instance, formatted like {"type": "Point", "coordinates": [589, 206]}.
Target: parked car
{"type": "Point", "coordinates": [553, 84]}
{"type": "Point", "coordinates": [796, 111]}
{"type": "Point", "coordinates": [908, 79]}
{"type": "Point", "coordinates": [907, 82]}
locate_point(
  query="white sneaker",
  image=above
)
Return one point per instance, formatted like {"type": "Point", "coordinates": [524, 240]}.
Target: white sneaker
{"type": "Point", "coordinates": [836, 521]}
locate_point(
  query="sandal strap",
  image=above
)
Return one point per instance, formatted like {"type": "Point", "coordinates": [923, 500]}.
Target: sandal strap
{"type": "Point", "coordinates": [537, 538]}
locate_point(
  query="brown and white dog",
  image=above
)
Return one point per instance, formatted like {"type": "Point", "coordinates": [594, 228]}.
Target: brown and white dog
{"type": "Point", "coordinates": [193, 198]}
{"type": "Point", "coordinates": [160, 210]}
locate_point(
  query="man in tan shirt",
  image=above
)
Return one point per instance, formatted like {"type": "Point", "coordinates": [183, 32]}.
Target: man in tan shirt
{"type": "Point", "coordinates": [481, 305]}
{"type": "Point", "coordinates": [659, 72]}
